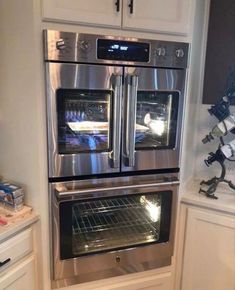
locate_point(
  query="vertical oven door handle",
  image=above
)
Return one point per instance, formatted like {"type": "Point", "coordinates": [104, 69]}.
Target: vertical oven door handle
{"type": "Point", "coordinates": [131, 101]}
{"type": "Point", "coordinates": [114, 156]}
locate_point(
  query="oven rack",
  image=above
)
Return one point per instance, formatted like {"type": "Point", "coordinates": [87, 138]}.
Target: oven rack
{"type": "Point", "coordinates": [115, 221]}
{"type": "Point", "coordinates": [114, 238]}
{"type": "Point", "coordinates": [112, 223]}
{"type": "Point", "coordinates": [109, 205]}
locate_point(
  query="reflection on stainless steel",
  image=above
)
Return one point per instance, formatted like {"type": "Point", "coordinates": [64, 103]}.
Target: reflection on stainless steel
{"type": "Point", "coordinates": [115, 222]}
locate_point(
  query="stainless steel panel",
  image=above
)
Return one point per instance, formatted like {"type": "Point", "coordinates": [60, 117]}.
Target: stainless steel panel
{"type": "Point", "coordinates": [79, 47]}
{"type": "Point", "coordinates": [154, 79]}
{"type": "Point", "coordinates": [82, 269]}
{"type": "Point", "coordinates": [117, 104]}
{"type": "Point", "coordinates": [96, 188]}
{"type": "Point", "coordinates": [130, 116]}
{"type": "Point", "coordinates": [77, 76]}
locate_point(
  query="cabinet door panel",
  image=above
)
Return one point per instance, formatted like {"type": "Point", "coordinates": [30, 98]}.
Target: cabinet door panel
{"type": "Point", "coordinates": [21, 277]}
{"type": "Point", "coordinates": [167, 16]}
{"type": "Point", "coordinates": [209, 258]}
{"type": "Point", "coordinates": [102, 12]}
{"type": "Point", "coordinates": [158, 282]}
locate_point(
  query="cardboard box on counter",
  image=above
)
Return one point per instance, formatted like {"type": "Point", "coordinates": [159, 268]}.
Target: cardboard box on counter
{"type": "Point", "coordinates": [11, 195]}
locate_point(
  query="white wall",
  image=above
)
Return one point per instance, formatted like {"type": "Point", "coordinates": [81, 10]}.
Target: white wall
{"type": "Point", "coordinates": [22, 110]}
{"type": "Point", "coordinates": [193, 96]}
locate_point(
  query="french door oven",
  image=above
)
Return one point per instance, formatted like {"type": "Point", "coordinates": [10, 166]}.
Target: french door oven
{"type": "Point", "coordinates": [107, 119]}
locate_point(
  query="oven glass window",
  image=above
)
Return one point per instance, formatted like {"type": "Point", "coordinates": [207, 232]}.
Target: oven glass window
{"type": "Point", "coordinates": [119, 222]}
{"type": "Point", "coordinates": [84, 120]}
{"type": "Point", "coordinates": [156, 119]}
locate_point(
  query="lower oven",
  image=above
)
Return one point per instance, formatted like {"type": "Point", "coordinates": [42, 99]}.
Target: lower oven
{"type": "Point", "coordinates": [111, 226]}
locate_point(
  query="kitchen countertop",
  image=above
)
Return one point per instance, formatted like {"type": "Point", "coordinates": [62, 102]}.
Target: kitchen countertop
{"type": "Point", "coordinates": [16, 225]}
{"type": "Point", "coordinates": [225, 201]}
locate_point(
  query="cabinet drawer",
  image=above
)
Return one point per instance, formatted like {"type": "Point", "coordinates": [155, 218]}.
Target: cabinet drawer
{"type": "Point", "coordinates": [16, 248]}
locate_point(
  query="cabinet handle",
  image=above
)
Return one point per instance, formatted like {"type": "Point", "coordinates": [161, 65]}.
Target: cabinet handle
{"type": "Point", "coordinates": [117, 3]}
{"type": "Point", "coordinates": [5, 262]}
{"type": "Point", "coordinates": [131, 6]}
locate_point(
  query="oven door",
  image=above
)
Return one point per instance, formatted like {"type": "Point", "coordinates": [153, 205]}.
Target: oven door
{"type": "Point", "coordinates": [104, 232]}
{"type": "Point", "coordinates": [84, 119]}
{"type": "Point", "coordinates": [152, 118]}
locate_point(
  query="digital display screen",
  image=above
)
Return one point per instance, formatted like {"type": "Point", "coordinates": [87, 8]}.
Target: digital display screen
{"type": "Point", "coordinates": [123, 50]}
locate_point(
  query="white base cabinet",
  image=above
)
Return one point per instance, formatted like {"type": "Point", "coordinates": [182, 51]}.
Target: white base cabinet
{"type": "Point", "coordinates": [158, 279]}
{"type": "Point", "coordinates": [20, 277]}
{"type": "Point", "coordinates": [18, 267]}
{"type": "Point", "coordinates": [209, 255]}
{"type": "Point", "coordinates": [159, 282]}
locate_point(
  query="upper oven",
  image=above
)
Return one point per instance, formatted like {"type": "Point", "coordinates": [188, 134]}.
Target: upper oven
{"type": "Point", "coordinates": [113, 104]}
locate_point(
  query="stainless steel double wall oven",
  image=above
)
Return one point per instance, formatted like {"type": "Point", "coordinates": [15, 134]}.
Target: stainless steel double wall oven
{"type": "Point", "coordinates": [114, 109]}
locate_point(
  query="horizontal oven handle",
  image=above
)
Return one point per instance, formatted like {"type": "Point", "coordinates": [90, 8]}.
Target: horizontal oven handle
{"type": "Point", "coordinates": [114, 156]}
{"type": "Point", "coordinates": [124, 187]}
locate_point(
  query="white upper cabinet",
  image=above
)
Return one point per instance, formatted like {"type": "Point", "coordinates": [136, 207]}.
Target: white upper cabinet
{"type": "Point", "coordinates": [163, 16]}
{"type": "Point", "coordinates": [100, 12]}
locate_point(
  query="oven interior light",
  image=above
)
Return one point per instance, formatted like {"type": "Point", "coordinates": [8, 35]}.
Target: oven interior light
{"type": "Point", "coordinates": [152, 209]}
{"type": "Point", "coordinates": [157, 126]}
{"type": "Point", "coordinates": [150, 238]}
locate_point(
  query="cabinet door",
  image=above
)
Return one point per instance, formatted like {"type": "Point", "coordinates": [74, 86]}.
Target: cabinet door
{"type": "Point", "coordinates": [104, 12]}
{"type": "Point", "coordinates": [209, 258]}
{"type": "Point", "coordinates": [166, 16]}
{"type": "Point", "coordinates": [21, 277]}
{"type": "Point", "coordinates": [161, 281]}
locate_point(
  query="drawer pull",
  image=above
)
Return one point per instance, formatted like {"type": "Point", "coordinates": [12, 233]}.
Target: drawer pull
{"type": "Point", "coordinates": [5, 262]}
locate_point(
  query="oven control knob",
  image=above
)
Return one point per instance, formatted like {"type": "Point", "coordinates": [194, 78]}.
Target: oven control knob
{"type": "Point", "coordinates": [161, 51]}
{"type": "Point", "coordinates": [179, 53]}
{"type": "Point", "coordinates": [84, 45]}
{"type": "Point", "coordinates": [60, 44]}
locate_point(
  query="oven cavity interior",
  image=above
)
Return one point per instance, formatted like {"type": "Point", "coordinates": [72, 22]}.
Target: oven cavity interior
{"type": "Point", "coordinates": [116, 222]}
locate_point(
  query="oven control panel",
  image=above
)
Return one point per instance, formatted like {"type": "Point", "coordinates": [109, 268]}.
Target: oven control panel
{"type": "Point", "coordinates": [90, 48]}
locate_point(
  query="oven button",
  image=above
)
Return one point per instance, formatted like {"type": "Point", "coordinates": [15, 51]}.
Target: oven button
{"type": "Point", "coordinates": [60, 44]}
{"type": "Point", "coordinates": [160, 51]}
{"type": "Point", "coordinates": [84, 45]}
{"type": "Point", "coordinates": [118, 259]}
{"type": "Point", "coordinates": [179, 53]}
